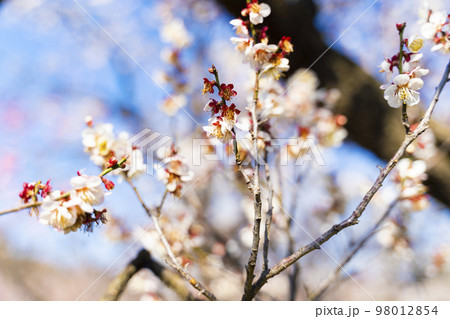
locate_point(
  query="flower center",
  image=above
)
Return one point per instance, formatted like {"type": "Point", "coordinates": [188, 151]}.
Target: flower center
{"type": "Point", "coordinates": [254, 7]}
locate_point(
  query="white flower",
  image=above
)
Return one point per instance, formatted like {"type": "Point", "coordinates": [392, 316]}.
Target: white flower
{"type": "Point", "coordinates": [403, 90]}
{"type": "Point", "coordinates": [275, 68]}
{"type": "Point", "coordinates": [243, 46]}
{"type": "Point", "coordinates": [59, 214]}
{"type": "Point", "coordinates": [240, 27]}
{"type": "Point", "coordinates": [413, 65]}
{"type": "Point", "coordinates": [424, 147]}
{"type": "Point", "coordinates": [173, 171]}
{"type": "Point", "coordinates": [258, 12]}
{"type": "Point", "coordinates": [219, 129]}
{"type": "Point", "coordinates": [260, 54]}
{"type": "Point", "coordinates": [409, 176]}
{"type": "Point", "coordinates": [413, 170]}
{"type": "Point", "coordinates": [386, 68]}
{"type": "Point", "coordinates": [434, 24]}
{"type": "Point", "coordinates": [98, 142]}
{"type": "Point", "coordinates": [135, 164]}
{"type": "Point", "coordinates": [415, 43]}
{"type": "Point", "coordinates": [89, 190]}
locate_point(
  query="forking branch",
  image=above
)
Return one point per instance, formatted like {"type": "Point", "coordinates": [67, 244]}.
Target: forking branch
{"type": "Point", "coordinates": [353, 219]}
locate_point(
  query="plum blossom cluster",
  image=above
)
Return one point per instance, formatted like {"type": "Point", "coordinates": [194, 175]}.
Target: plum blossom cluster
{"type": "Point", "coordinates": [311, 109]}
{"type": "Point", "coordinates": [69, 211]}
{"type": "Point", "coordinates": [436, 27]}
{"type": "Point", "coordinates": [173, 171]}
{"type": "Point", "coordinates": [105, 148]}
{"type": "Point", "coordinates": [403, 89]}
{"type": "Point", "coordinates": [223, 116]}
{"type": "Point", "coordinates": [252, 42]}
{"type": "Point", "coordinates": [409, 176]}
{"type": "Point", "coordinates": [305, 107]}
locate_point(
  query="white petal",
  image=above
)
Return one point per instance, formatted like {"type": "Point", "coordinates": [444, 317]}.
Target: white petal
{"type": "Point", "coordinates": [256, 18]}
{"type": "Point", "coordinates": [264, 9]}
{"type": "Point", "coordinates": [395, 102]}
{"type": "Point", "coordinates": [413, 98]}
{"type": "Point", "coordinates": [78, 182]}
{"type": "Point", "coordinates": [428, 31]}
{"type": "Point", "coordinates": [401, 79]}
{"type": "Point", "coordinates": [415, 84]}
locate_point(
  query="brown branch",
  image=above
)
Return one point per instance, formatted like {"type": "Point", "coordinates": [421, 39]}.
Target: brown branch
{"type": "Point", "coordinates": [239, 166]}
{"type": "Point", "coordinates": [141, 261]}
{"type": "Point", "coordinates": [293, 276]}
{"type": "Point", "coordinates": [327, 283]}
{"type": "Point", "coordinates": [17, 209]}
{"type": "Point", "coordinates": [269, 212]}
{"type": "Point", "coordinates": [173, 262]}
{"type": "Point", "coordinates": [256, 188]}
{"type": "Point", "coordinates": [353, 219]}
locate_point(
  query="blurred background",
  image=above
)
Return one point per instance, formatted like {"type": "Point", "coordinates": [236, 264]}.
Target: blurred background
{"type": "Point", "coordinates": [64, 60]}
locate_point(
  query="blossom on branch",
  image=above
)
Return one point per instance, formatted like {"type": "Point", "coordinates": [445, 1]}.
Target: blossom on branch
{"type": "Point", "coordinates": [256, 12]}
{"type": "Point", "coordinates": [409, 176]}
{"type": "Point", "coordinates": [436, 27]}
{"type": "Point", "coordinates": [403, 90]}
{"type": "Point", "coordinates": [174, 172]}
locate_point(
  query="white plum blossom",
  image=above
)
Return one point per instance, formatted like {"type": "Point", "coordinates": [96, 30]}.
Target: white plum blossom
{"type": "Point", "coordinates": [409, 176]}
{"type": "Point", "coordinates": [415, 43]}
{"type": "Point", "coordinates": [174, 171]}
{"type": "Point", "coordinates": [436, 27]}
{"type": "Point", "coordinates": [386, 68]}
{"type": "Point", "coordinates": [434, 24]}
{"type": "Point", "coordinates": [258, 11]}
{"type": "Point", "coordinates": [424, 147]}
{"type": "Point", "coordinates": [260, 54]}
{"type": "Point", "coordinates": [239, 26]}
{"type": "Point", "coordinates": [98, 141]}
{"type": "Point", "coordinates": [102, 144]}
{"type": "Point", "coordinates": [403, 90]}
{"type": "Point", "coordinates": [58, 213]}
{"type": "Point", "coordinates": [89, 189]}
{"type": "Point", "coordinates": [219, 129]}
{"type": "Point", "coordinates": [275, 67]}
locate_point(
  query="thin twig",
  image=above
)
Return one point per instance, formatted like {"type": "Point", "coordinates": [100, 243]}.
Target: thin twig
{"type": "Point", "coordinates": [141, 261]}
{"type": "Point", "coordinates": [293, 276]}
{"type": "Point", "coordinates": [256, 188]}
{"type": "Point", "coordinates": [173, 262]}
{"type": "Point", "coordinates": [353, 219]}
{"type": "Point", "coordinates": [239, 166]}
{"type": "Point", "coordinates": [327, 283]}
{"type": "Point", "coordinates": [269, 212]}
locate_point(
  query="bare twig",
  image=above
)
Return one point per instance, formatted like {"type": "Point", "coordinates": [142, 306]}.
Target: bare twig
{"type": "Point", "coordinates": [239, 166]}
{"type": "Point", "coordinates": [327, 283]}
{"type": "Point", "coordinates": [144, 260]}
{"type": "Point", "coordinates": [353, 219]}
{"type": "Point", "coordinates": [269, 212]}
{"type": "Point", "coordinates": [293, 276]}
{"type": "Point", "coordinates": [256, 188]}
{"type": "Point", "coordinates": [173, 262]}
